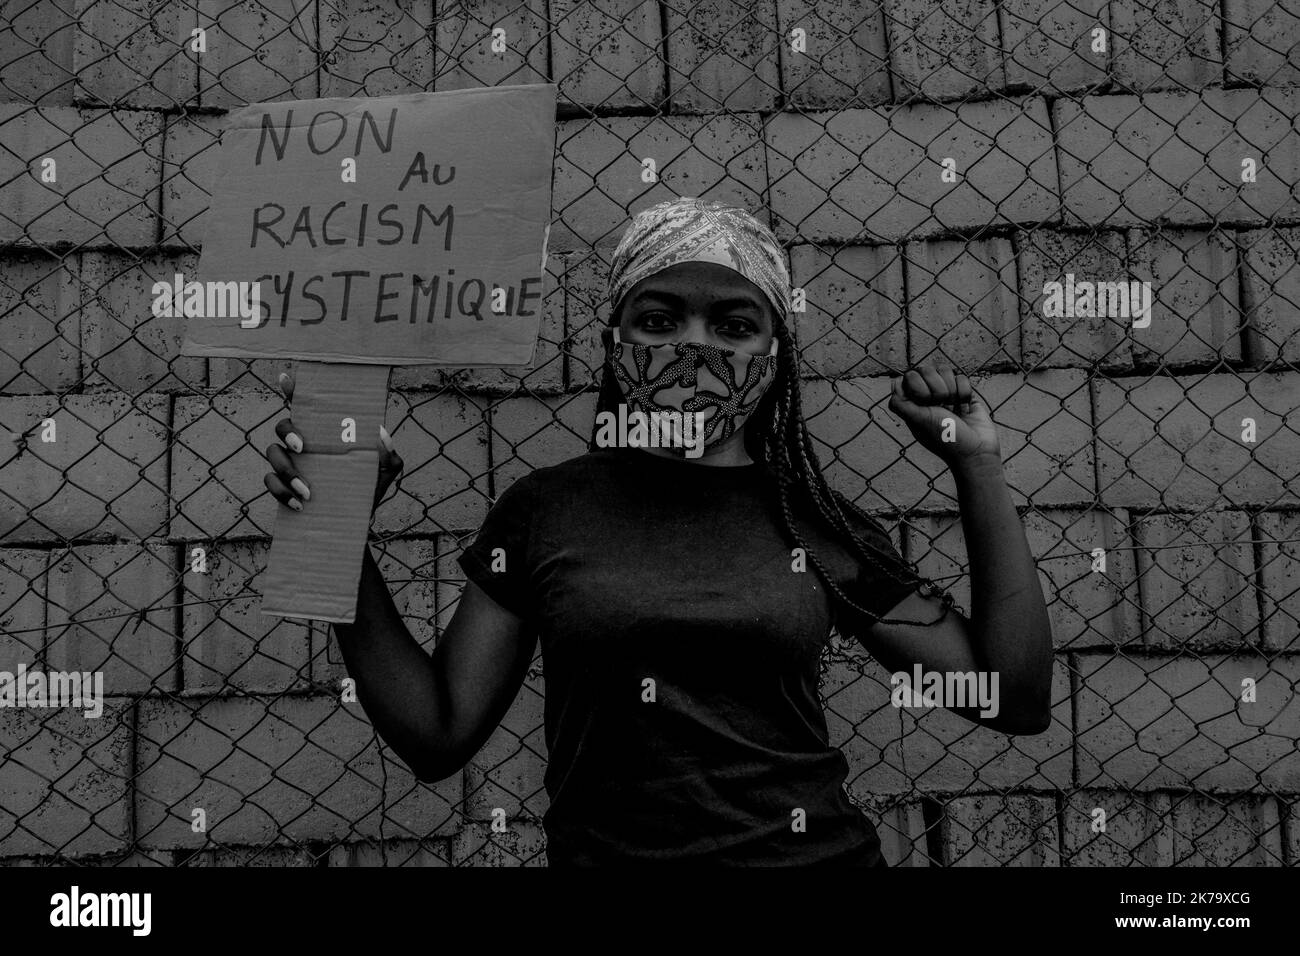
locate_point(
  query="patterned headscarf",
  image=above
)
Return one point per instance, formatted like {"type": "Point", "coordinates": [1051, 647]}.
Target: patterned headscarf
{"type": "Point", "coordinates": [696, 230]}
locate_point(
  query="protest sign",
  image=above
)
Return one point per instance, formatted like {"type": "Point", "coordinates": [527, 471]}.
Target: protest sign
{"type": "Point", "coordinates": [358, 234]}
{"type": "Point", "coordinates": [392, 230]}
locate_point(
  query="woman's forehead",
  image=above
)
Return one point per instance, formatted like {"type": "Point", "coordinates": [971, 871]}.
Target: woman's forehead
{"type": "Point", "coordinates": [717, 281]}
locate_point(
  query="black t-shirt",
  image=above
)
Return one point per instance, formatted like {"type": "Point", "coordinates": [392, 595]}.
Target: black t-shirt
{"type": "Point", "coordinates": [649, 576]}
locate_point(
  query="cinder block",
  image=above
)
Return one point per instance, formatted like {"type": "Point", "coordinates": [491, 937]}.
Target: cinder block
{"type": "Point", "coordinates": [464, 57]}
{"type": "Point", "coordinates": [586, 312]}
{"type": "Point", "coordinates": [1166, 44]}
{"type": "Point", "coordinates": [1270, 293]}
{"type": "Point", "coordinates": [523, 844]}
{"type": "Point", "coordinates": [1045, 435]}
{"type": "Point", "coordinates": [845, 61]}
{"type": "Point", "coordinates": [218, 459]}
{"type": "Point", "coordinates": [435, 853]}
{"type": "Point", "coordinates": [853, 323]}
{"type": "Point", "coordinates": [376, 49]}
{"type": "Point", "coordinates": [1236, 831]}
{"type": "Point", "coordinates": [876, 174]}
{"type": "Point", "coordinates": [1261, 41]}
{"type": "Point", "coordinates": [995, 830]}
{"type": "Point", "coordinates": [190, 162]}
{"type": "Point", "coordinates": [1176, 443]}
{"type": "Point", "coordinates": [1196, 592]}
{"type": "Point", "coordinates": [106, 165]}
{"type": "Point", "coordinates": [508, 770]}
{"type": "Point", "coordinates": [945, 50]}
{"type": "Point", "coordinates": [293, 768]}
{"type": "Point", "coordinates": [544, 374]}
{"type": "Point", "coordinates": [862, 723]}
{"type": "Point", "coordinates": [1048, 255]}
{"type": "Point", "coordinates": [531, 433]}
{"type": "Point", "coordinates": [245, 856]}
{"type": "Point", "coordinates": [963, 303]}
{"type": "Point", "coordinates": [867, 450]}
{"type": "Point", "coordinates": [258, 50]}
{"type": "Point", "coordinates": [1048, 44]}
{"type": "Point", "coordinates": [943, 752]}
{"type": "Point", "coordinates": [1176, 157]}
{"type": "Point", "coordinates": [608, 56]}
{"type": "Point", "coordinates": [135, 53]}
{"type": "Point", "coordinates": [1291, 837]}
{"type": "Point", "coordinates": [722, 55]}
{"type": "Point", "coordinates": [1152, 723]}
{"type": "Point", "coordinates": [1196, 313]}
{"type": "Point", "coordinates": [1087, 608]}
{"type": "Point", "coordinates": [64, 781]}
{"type": "Point", "coordinates": [88, 582]}
{"type": "Point", "coordinates": [1133, 829]}
{"type": "Point", "coordinates": [104, 474]}
{"type": "Point", "coordinates": [409, 569]}
{"type": "Point", "coordinates": [125, 347]}
{"type": "Point", "coordinates": [36, 48]}
{"type": "Point", "coordinates": [23, 586]}
{"type": "Point", "coordinates": [1280, 573]}
{"type": "Point", "coordinates": [597, 183]}
{"type": "Point", "coordinates": [451, 577]}
{"type": "Point", "coordinates": [443, 441]}
{"type": "Point", "coordinates": [903, 835]}
{"type": "Point", "coordinates": [229, 645]}
{"type": "Point", "coordinates": [40, 306]}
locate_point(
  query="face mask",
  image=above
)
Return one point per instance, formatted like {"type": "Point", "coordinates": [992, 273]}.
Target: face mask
{"type": "Point", "coordinates": [689, 377]}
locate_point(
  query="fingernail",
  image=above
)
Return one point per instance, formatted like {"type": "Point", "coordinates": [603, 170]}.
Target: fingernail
{"type": "Point", "coordinates": [295, 504]}
{"type": "Point", "coordinates": [300, 486]}
{"type": "Point", "coordinates": [383, 436]}
{"type": "Point", "coordinates": [293, 441]}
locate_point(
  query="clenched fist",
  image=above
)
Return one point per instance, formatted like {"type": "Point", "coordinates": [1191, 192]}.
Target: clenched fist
{"type": "Point", "coordinates": [945, 415]}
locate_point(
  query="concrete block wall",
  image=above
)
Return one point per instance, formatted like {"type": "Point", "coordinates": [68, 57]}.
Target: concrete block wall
{"type": "Point", "coordinates": [1110, 139]}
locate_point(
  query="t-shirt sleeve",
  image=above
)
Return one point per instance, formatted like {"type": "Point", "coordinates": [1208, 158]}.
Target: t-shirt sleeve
{"type": "Point", "coordinates": [880, 584]}
{"type": "Point", "coordinates": [499, 560]}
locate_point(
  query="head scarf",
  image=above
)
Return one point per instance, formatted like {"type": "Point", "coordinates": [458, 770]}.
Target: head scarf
{"type": "Point", "coordinates": [695, 230]}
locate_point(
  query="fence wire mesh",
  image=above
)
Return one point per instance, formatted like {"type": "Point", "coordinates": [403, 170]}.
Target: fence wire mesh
{"type": "Point", "coordinates": [931, 168]}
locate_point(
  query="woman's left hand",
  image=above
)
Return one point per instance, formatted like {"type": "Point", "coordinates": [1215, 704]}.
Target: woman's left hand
{"type": "Point", "coordinates": [945, 415]}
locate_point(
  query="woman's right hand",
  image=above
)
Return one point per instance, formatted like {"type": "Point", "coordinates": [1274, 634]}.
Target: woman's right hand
{"type": "Point", "coordinates": [289, 488]}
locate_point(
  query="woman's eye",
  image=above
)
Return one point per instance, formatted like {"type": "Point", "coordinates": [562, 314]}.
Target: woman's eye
{"type": "Point", "coordinates": [654, 321]}
{"type": "Point", "coordinates": [738, 327]}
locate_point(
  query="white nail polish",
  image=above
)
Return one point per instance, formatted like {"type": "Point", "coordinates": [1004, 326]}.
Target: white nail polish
{"type": "Point", "coordinates": [300, 486]}
{"type": "Point", "coordinates": [293, 441]}
{"type": "Point", "coordinates": [295, 504]}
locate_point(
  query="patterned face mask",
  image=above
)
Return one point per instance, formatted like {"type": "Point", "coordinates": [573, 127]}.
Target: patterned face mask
{"type": "Point", "coordinates": [688, 377]}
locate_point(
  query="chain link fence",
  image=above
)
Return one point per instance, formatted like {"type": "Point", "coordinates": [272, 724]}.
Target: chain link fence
{"type": "Point", "coordinates": [966, 180]}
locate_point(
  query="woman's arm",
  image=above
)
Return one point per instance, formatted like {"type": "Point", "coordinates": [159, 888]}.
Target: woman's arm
{"type": "Point", "coordinates": [437, 710]}
{"type": "Point", "coordinates": [1009, 632]}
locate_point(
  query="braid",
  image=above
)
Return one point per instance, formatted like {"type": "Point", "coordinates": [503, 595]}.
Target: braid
{"type": "Point", "coordinates": [785, 432]}
{"type": "Point", "coordinates": [778, 437]}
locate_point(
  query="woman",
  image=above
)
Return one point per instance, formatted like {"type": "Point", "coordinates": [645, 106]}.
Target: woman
{"type": "Point", "coordinates": [682, 602]}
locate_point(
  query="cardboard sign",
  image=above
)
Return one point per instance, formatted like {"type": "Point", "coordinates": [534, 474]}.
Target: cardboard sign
{"type": "Point", "coordinates": [314, 566]}
{"type": "Point", "coordinates": [392, 230]}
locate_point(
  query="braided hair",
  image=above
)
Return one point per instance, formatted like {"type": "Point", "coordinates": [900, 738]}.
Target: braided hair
{"type": "Point", "coordinates": [777, 436]}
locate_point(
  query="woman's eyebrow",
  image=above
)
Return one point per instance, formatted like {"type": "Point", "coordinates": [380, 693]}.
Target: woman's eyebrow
{"type": "Point", "coordinates": [720, 304]}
